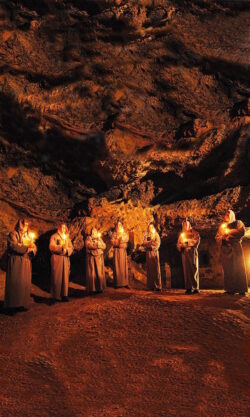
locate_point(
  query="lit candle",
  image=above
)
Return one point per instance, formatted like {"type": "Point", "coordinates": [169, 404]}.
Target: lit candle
{"type": "Point", "coordinates": [25, 239]}
{"type": "Point", "coordinates": [224, 228]}
{"type": "Point", "coordinates": [153, 234]}
{"type": "Point", "coordinates": [184, 238]}
{"type": "Point", "coordinates": [121, 232]}
{"type": "Point", "coordinates": [32, 236]}
{"type": "Point", "coordinates": [99, 235]}
{"type": "Point", "coordinates": [64, 238]}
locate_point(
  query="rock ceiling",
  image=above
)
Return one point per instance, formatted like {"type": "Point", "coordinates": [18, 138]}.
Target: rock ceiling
{"type": "Point", "coordinates": [110, 103]}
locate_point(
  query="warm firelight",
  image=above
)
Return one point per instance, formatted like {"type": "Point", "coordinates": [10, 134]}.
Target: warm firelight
{"type": "Point", "coordinates": [32, 236]}
{"type": "Point", "coordinates": [99, 234]}
{"type": "Point", "coordinates": [224, 228]}
{"type": "Point", "coordinates": [121, 231]}
{"type": "Point", "coordinates": [29, 238]}
{"type": "Point", "coordinates": [64, 237]}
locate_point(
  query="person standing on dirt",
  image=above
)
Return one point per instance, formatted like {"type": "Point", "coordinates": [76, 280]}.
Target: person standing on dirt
{"type": "Point", "coordinates": [229, 237]}
{"type": "Point", "coordinates": [188, 242]}
{"type": "Point", "coordinates": [151, 243]}
{"type": "Point", "coordinates": [61, 249]}
{"type": "Point", "coordinates": [119, 241]}
{"type": "Point", "coordinates": [21, 248]}
{"type": "Point", "coordinates": [95, 273]}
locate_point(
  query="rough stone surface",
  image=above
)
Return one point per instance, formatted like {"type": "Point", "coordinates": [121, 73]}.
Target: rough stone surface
{"type": "Point", "coordinates": [123, 108]}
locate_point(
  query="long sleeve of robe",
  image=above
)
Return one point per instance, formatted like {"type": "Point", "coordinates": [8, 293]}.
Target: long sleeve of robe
{"type": "Point", "coordinates": [232, 258]}
{"type": "Point", "coordinates": [153, 261]}
{"type": "Point", "coordinates": [60, 266]}
{"type": "Point", "coordinates": [190, 258]}
{"type": "Point", "coordinates": [18, 275]}
{"type": "Point", "coordinates": [95, 273]}
{"type": "Point", "coordinates": [120, 261]}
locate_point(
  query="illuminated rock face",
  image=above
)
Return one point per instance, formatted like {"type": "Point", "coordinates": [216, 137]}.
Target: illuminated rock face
{"type": "Point", "coordinates": [111, 105]}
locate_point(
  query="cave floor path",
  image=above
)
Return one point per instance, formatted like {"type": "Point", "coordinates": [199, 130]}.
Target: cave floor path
{"type": "Point", "coordinates": [126, 353]}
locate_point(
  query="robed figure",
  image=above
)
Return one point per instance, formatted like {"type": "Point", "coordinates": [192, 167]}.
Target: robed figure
{"type": "Point", "coordinates": [151, 243]}
{"type": "Point", "coordinates": [188, 243]}
{"type": "Point", "coordinates": [21, 248]}
{"type": "Point", "coordinates": [229, 237]}
{"type": "Point", "coordinates": [95, 273]}
{"type": "Point", "coordinates": [119, 241]}
{"type": "Point", "coordinates": [61, 249]}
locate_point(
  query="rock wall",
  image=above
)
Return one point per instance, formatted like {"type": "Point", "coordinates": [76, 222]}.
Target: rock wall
{"type": "Point", "coordinates": [131, 109]}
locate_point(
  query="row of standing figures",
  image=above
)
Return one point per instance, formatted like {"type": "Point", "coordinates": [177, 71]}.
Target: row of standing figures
{"type": "Point", "coordinates": [21, 248]}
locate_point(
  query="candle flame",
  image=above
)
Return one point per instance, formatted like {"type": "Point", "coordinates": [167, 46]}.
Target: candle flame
{"type": "Point", "coordinates": [32, 236]}
{"type": "Point", "coordinates": [225, 228]}
{"type": "Point", "coordinates": [99, 234]}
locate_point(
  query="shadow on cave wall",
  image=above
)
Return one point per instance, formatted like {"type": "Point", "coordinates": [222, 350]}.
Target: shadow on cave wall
{"type": "Point", "coordinates": [208, 65]}
{"type": "Point", "coordinates": [45, 82]}
{"type": "Point", "coordinates": [227, 74]}
{"type": "Point", "coordinates": [41, 264]}
{"type": "Point", "coordinates": [54, 152]}
{"type": "Point", "coordinates": [194, 183]}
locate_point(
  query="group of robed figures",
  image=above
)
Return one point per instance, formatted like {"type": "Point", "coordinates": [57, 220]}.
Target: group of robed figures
{"type": "Point", "coordinates": [21, 249]}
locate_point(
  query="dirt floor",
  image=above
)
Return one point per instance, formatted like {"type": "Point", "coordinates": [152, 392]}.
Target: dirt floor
{"type": "Point", "coordinates": [126, 353]}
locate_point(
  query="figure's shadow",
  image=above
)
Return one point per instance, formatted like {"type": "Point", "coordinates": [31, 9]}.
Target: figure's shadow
{"type": "Point", "coordinates": [41, 263]}
{"type": "Point", "coordinates": [40, 300]}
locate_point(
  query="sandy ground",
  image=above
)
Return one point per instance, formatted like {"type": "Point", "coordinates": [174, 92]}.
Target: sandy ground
{"type": "Point", "coordinates": [126, 353]}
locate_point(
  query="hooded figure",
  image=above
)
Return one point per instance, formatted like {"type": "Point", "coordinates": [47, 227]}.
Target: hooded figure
{"type": "Point", "coordinates": [229, 236]}
{"type": "Point", "coordinates": [188, 242]}
{"type": "Point", "coordinates": [18, 277]}
{"type": "Point", "coordinates": [61, 249]}
{"type": "Point", "coordinates": [95, 273]}
{"type": "Point", "coordinates": [119, 241]}
{"type": "Point", "coordinates": [151, 243]}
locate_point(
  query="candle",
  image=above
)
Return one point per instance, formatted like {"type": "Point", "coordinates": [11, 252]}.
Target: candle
{"type": "Point", "coordinates": [183, 236]}
{"type": "Point", "coordinates": [121, 232]}
{"type": "Point", "coordinates": [224, 228]}
{"type": "Point", "coordinates": [29, 238]}
{"type": "Point", "coordinates": [64, 236]}
{"type": "Point", "coordinates": [25, 239]}
{"type": "Point", "coordinates": [32, 236]}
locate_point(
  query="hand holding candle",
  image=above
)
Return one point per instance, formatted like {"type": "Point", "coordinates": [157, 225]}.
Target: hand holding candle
{"type": "Point", "coordinates": [121, 233]}
{"type": "Point", "coordinates": [63, 241]}
{"type": "Point", "coordinates": [99, 235]}
{"type": "Point", "coordinates": [224, 230]}
{"type": "Point", "coordinates": [184, 239]}
{"type": "Point", "coordinates": [29, 240]}
{"type": "Point", "coordinates": [32, 236]}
